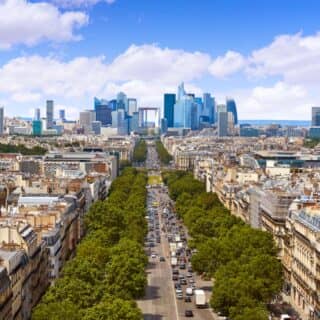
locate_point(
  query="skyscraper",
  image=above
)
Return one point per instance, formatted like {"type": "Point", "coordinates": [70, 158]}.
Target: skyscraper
{"type": "Point", "coordinates": [50, 113]}
{"type": "Point", "coordinates": [132, 106]}
{"type": "Point", "coordinates": [169, 101]}
{"type": "Point", "coordinates": [231, 107]}
{"type": "Point", "coordinates": [185, 110]}
{"type": "Point", "coordinates": [222, 124]}
{"type": "Point", "coordinates": [37, 114]}
{"type": "Point", "coordinates": [208, 107]}
{"type": "Point", "coordinates": [86, 118]}
{"type": "Point", "coordinates": [1, 120]}
{"type": "Point", "coordinates": [315, 121]}
{"type": "Point", "coordinates": [122, 101]}
{"type": "Point", "coordinates": [103, 111]}
{"type": "Point", "coordinates": [62, 115]}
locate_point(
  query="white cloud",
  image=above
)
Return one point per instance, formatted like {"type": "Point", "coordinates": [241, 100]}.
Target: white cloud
{"type": "Point", "coordinates": [79, 3]}
{"type": "Point", "coordinates": [152, 63]}
{"type": "Point", "coordinates": [293, 57]}
{"type": "Point", "coordinates": [25, 97]}
{"type": "Point", "coordinates": [280, 101]}
{"type": "Point", "coordinates": [228, 64]}
{"type": "Point", "coordinates": [28, 23]}
{"type": "Point", "coordinates": [144, 72]}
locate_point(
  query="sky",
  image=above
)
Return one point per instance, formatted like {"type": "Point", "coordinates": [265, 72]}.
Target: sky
{"type": "Point", "coordinates": [265, 54]}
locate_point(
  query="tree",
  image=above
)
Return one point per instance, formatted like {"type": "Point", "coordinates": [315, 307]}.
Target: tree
{"type": "Point", "coordinates": [61, 310]}
{"type": "Point", "coordinates": [113, 309]}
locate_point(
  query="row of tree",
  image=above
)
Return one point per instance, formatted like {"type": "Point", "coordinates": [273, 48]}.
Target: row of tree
{"type": "Point", "coordinates": [140, 151]}
{"type": "Point", "coordinates": [107, 273]}
{"type": "Point", "coordinates": [241, 260]}
{"type": "Point", "coordinates": [11, 148]}
{"type": "Point", "coordinates": [163, 154]}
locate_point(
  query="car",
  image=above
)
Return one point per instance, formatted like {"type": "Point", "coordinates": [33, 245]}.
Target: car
{"type": "Point", "coordinates": [187, 299]}
{"type": "Point", "coordinates": [183, 281]}
{"type": "Point", "coordinates": [178, 290]}
{"type": "Point", "coordinates": [188, 313]}
{"type": "Point", "coordinates": [191, 281]}
{"type": "Point", "coordinates": [174, 277]}
{"type": "Point", "coordinates": [153, 255]}
{"type": "Point", "coordinates": [175, 271]}
{"type": "Point", "coordinates": [179, 295]}
{"type": "Point", "coordinates": [177, 285]}
{"type": "Point", "coordinates": [189, 275]}
{"type": "Point", "coordinates": [190, 269]}
{"type": "Point", "coordinates": [182, 266]}
{"type": "Point", "coordinates": [189, 291]}
{"type": "Point", "coordinates": [162, 259]}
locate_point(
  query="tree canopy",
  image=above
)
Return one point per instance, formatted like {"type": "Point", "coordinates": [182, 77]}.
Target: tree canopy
{"type": "Point", "coordinates": [163, 154]}
{"type": "Point", "coordinates": [107, 273]}
{"type": "Point", "coordinates": [242, 260]}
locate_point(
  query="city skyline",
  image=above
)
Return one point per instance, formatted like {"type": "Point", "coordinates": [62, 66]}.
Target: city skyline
{"type": "Point", "coordinates": [110, 46]}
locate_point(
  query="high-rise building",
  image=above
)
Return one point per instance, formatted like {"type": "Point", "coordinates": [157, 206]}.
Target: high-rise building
{"type": "Point", "coordinates": [231, 107]}
{"type": "Point", "coordinates": [37, 114]}
{"type": "Point", "coordinates": [62, 115]}
{"type": "Point", "coordinates": [208, 107]}
{"type": "Point", "coordinates": [315, 117]}
{"type": "Point", "coordinates": [50, 113]}
{"type": "Point", "coordinates": [37, 127]}
{"type": "Point", "coordinates": [96, 127]}
{"type": "Point", "coordinates": [134, 123]}
{"type": "Point", "coordinates": [122, 101]}
{"type": "Point", "coordinates": [223, 124]}
{"type": "Point", "coordinates": [1, 120]}
{"type": "Point", "coordinates": [86, 118]}
{"type": "Point", "coordinates": [168, 108]}
{"type": "Point", "coordinates": [185, 110]}
{"type": "Point", "coordinates": [132, 106]}
{"type": "Point", "coordinates": [103, 111]}
{"type": "Point", "coordinates": [113, 104]}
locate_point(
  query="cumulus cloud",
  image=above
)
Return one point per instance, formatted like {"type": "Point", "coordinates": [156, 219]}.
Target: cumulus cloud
{"type": "Point", "coordinates": [293, 57]}
{"type": "Point", "coordinates": [279, 101]}
{"type": "Point", "coordinates": [152, 63]}
{"type": "Point", "coordinates": [79, 3]}
{"type": "Point", "coordinates": [28, 23]}
{"type": "Point", "coordinates": [145, 72]}
{"type": "Point", "coordinates": [227, 64]}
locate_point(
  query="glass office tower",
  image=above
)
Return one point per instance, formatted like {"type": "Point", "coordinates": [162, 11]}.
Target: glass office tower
{"type": "Point", "coordinates": [231, 107]}
{"type": "Point", "coordinates": [168, 108]}
{"type": "Point", "coordinates": [50, 113]}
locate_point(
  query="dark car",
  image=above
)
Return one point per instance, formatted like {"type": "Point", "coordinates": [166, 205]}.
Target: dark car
{"type": "Point", "coordinates": [162, 259]}
{"type": "Point", "coordinates": [187, 299]}
{"type": "Point", "coordinates": [188, 313]}
{"type": "Point", "coordinates": [182, 266]}
{"type": "Point", "coordinates": [174, 277]}
{"type": "Point", "coordinates": [175, 271]}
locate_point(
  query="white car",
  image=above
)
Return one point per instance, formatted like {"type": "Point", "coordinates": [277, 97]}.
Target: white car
{"type": "Point", "coordinates": [153, 256]}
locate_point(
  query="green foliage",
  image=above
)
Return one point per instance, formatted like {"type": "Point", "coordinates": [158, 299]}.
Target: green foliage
{"type": "Point", "coordinates": [242, 260]}
{"type": "Point", "coordinates": [113, 309]}
{"type": "Point", "coordinates": [140, 151]}
{"type": "Point", "coordinates": [11, 148]}
{"type": "Point", "coordinates": [108, 270]}
{"type": "Point", "coordinates": [311, 142]}
{"type": "Point", "coordinates": [163, 154]}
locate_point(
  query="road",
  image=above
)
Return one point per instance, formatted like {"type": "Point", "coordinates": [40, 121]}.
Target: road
{"type": "Point", "coordinates": [160, 301]}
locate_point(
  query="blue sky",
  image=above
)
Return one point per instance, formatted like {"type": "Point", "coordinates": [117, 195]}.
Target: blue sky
{"type": "Point", "coordinates": [266, 53]}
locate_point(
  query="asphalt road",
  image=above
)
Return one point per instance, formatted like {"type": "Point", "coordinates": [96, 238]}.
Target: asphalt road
{"type": "Point", "coordinates": [160, 300]}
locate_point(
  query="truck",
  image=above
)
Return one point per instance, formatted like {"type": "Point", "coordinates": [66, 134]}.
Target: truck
{"type": "Point", "coordinates": [200, 298]}
{"type": "Point", "coordinates": [174, 261]}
